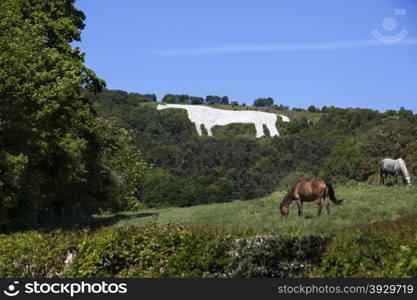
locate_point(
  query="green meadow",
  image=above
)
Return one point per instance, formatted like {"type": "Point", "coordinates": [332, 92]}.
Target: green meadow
{"type": "Point", "coordinates": [362, 204]}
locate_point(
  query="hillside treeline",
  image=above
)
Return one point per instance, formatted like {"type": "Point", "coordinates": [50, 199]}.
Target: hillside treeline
{"type": "Point", "coordinates": [344, 144]}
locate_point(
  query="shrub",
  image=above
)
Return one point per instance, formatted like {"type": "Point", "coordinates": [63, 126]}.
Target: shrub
{"type": "Point", "coordinates": [159, 188]}
{"type": "Point", "coordinates": [263, 102]}
{"type": "Point", "coordinates": [36, 254]}
{"type": "Point", "coordinates": [386, 249]}
{"type": "Point", "coordinates": [373, 179]}
{"type": "Point", "coordinates": [273, 256]}
{"type": "Point", "coordinates": [166, 251]}
{"type": "Point", "coordinates": [348, 159]}
{"type": "Point", "coordinates": [409, 153]}
{"type": "Point", "coordinates": [389, 138]}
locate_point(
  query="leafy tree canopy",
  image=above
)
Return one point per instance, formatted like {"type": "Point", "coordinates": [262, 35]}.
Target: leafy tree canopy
{"type": "Point", "coordinates": [52, 144]}
{"type": "Point", "coordinates": [263, 102]}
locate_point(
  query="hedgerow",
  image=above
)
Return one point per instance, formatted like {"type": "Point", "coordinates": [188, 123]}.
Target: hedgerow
{"type": "Point", "coordinates": [386, 249]}
{"type": "Point", "coordinates": [156, 251]}
{"type": "Point", "coordinates": [151, 251]}
{"type": "Point", "coordinates": [273, 256]}
{"type": "Point", "coordinates": [37, 254]}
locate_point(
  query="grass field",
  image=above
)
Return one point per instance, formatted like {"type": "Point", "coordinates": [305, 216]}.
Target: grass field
{"type": "Point", "coordinates": [362, 205]}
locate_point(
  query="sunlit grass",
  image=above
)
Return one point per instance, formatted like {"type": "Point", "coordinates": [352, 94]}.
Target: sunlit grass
{"type": "Point", "coordinates": [362, 205]}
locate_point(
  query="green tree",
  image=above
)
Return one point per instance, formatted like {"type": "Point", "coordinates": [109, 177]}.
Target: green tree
{"type": "Point", "coordinates": [409, 154]}
{"type": "Point", "coordinates": [216, 100]}
{"type": "Point", "coordinates": [313, 109]}
{"type": "Point", "coordinates": [52, 145]}
{"type": "Point", "coordinates": [197, 100]}
{"type": "Point", "coordinates": [348, 159]}
{"type": "Point", "coordinates": [263, 102]}
{"type": "Point", "coordinates": [389, 138]}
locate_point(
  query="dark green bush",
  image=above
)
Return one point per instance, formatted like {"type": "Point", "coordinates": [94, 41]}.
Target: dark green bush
{"type": "Point", "coordinates": [157, 251]}
{"type": "Point", "coordinates": [349, 159]}
{"type": "Point", "coordinates": [381, 250]}
{"type": "Point", "coordinates": [36, 254]}
{"type": "Point", "coordinates": [151, 251]}
{"type": "Point", "coordinates": [273, 256]}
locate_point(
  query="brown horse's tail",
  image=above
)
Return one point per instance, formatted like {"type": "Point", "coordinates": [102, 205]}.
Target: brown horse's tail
{"type": "Point", "coordinates": [331, 193]}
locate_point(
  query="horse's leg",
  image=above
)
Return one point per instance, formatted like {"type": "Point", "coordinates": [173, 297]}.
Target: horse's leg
{"type": "Point", "coordinates": [320, 207]}
{"type": "Point", "coordinates": [327, 202]}
{"type": "Point", "coordinates": [259, 130]}
{"type": "Point", "coordinates": [300, 206]}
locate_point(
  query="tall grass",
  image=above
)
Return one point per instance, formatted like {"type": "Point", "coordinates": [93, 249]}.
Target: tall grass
{"type": "Point", "coordinates": [363, 204]}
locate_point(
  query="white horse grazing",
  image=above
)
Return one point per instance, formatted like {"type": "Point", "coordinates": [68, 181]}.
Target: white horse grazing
{"type": "Point", "coordinates": [210, 117]}
{"type": "Point", "coordinates": [394, 167]}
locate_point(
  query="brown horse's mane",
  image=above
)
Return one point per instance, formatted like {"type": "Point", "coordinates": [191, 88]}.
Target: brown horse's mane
{"type": "Point", "coordinates": [287, 200]}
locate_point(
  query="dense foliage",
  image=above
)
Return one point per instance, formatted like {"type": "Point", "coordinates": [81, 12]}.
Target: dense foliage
{"type": "Point", "coordinates": [278, 256]}
{"type": "Point", "coordinates": [386, 249]}
{"type": "Point", "coordinates": [150, 251]}
{"type": "Point", "coordinates": [263, 102]}
{"type": "Point", "coordinates": [182, 98]}
{"type": "Point", "coordinates": [57, 158]}
{"type": "Point", "coordinates": [167, 251]}
{"type": "Point", "coordinates": [157, 251]}
{"type": "Point", "coordinates": [37, 254]}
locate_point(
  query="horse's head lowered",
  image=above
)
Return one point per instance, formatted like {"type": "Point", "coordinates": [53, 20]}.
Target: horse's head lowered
{"type": "Point", "coordinates": [284, 208]}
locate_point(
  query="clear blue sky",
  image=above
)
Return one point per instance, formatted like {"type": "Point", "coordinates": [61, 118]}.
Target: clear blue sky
{"type": "Point", "coordinates": [299, 52]}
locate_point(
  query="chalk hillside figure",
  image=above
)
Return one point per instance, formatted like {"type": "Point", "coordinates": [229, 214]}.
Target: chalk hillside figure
{"type": "Point", "coordinates": [210, 117]}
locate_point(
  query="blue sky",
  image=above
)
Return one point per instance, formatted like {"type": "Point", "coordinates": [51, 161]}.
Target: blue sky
{"type": "Point", "coordinates": [298, 52]}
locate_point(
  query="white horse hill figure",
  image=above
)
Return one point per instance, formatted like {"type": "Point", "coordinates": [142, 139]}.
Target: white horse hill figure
{"type": "Point", "coordinates": [210, 117]}
{"type": "Point", "coordinates": [394, 167]}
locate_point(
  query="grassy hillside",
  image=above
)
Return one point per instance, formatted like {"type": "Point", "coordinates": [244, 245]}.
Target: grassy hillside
{"type": "Point", "coordinates": [342, 145]}
{"type": "Point", "coordinates": [363, 204]}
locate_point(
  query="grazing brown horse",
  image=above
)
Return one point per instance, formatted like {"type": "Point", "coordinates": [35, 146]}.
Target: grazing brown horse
{"type": "Point", "coordinates": [314, 190]}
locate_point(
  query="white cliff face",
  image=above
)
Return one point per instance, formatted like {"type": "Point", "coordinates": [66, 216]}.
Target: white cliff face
{"type": "Point", "coordinates": [210, 117]}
